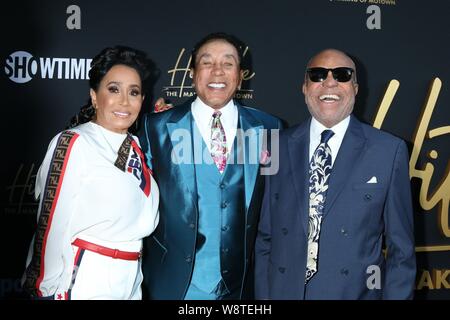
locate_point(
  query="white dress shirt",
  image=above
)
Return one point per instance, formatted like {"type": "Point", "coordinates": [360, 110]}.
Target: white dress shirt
{"type": "Point", "coordinates": [335, 141]}
{"type": "Point", "coordinates": [202, 114]}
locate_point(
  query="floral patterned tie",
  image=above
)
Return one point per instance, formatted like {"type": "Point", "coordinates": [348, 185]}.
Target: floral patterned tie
{"type": "Point", "coordinates": [319, 174]}
{"type": "Point", "coordinates": [218, 142]}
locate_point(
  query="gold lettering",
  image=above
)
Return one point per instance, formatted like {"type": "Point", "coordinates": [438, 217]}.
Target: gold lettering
{"type": "Point", "coordinates": [434, 279]}
{"type": "Point", "coordinates": [441, 193]}
{"type": "Point", "coordinates": [440, 277]}
{"type": "Point", "coordinates": [386, 103]}
{"type": "Point", "coordinates": [184, 70]}
{"type": "Point", "coordinates": [247, 74]}
{"type": "Point", "coordinates": [425, 281]}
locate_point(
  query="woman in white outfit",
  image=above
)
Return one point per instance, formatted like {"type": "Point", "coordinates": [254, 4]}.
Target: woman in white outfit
{"type": "Point", "coordinates": [98, 198]}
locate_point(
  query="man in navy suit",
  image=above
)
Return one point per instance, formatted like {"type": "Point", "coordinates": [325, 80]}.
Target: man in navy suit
{"type": "Point", "coordinates": [328, 213]}
{"type": "Point", "coordinates": [205, 159]}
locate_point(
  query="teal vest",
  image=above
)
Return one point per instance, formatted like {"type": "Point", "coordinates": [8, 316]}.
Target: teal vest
{"type": "Point", "coordinates": [219, 197]}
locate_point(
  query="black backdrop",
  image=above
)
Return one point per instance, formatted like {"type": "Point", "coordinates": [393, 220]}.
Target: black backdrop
{"type": "Point", "coordinates": [46, 46]}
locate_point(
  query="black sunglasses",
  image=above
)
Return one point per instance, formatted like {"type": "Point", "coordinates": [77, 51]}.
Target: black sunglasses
{"type": "Point", "coordinates": [341, 74]}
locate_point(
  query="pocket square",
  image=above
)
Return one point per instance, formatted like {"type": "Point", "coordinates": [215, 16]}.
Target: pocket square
{"type": "Point", "coordinates": [372, 180]}
{"type": "Point", "coordinates": [265, 157]}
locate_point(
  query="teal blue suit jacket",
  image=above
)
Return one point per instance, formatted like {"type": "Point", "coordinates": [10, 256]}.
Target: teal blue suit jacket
{"type": "Point", "coordinates": [169, 252]}
{"type": "Point", "coordinates": [358, 217]}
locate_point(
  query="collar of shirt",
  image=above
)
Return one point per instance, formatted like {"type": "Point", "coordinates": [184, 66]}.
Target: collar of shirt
{"type": "Point", "coordinates": [113, 139]}
{"type": "Point", "coordinates": [335, 141]}
{"type": "Point", "coordinates": [202, 114]}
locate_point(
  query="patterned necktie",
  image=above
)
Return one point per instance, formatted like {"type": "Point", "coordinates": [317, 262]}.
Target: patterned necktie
{"type": "Point", "coordinates": [319, 174]}
{"type": "Point", "coordinates": [218, 142]}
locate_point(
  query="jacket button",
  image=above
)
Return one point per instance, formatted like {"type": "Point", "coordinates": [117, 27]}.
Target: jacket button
{"type": "Point", "coordinates": [225, 250]}
{"type": "Point", "coordinates": [225, 228]}
{"type": "Point", "coordinates": [223, 205]}
{"type": "Point", "coordinates": [224, 271]}
{"type": "Point", "coordinates": [192, 226]}
{"type": "Point", "coordinates": [367, 197]}
{"type": "Point", "coordinates": [284, 231]}
{"type": "Point", "coordinates": [344, 271]}
{"type": "Point", "coordinates": [188, 259]}
{"type": "Point", "coordinates": [281, 269]}
{"type": "Point", "coordinates": [222, 186]}
{"type": "Point", "coordinates": [344, 232]}
{"type": "Point", "coordinates": [249, 226]}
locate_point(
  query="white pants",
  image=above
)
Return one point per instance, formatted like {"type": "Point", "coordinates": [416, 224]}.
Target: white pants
{"type": "Point", "coordinates": [97, 276]}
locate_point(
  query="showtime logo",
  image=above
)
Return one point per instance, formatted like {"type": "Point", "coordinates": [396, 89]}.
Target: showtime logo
{"type": "Point", "coordinates": [21, 67]}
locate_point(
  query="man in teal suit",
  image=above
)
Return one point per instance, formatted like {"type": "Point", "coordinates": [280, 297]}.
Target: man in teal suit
{"type": "Point", "coordinates": [342, 192]}
{"type": "Point", "coordinates": [205, 155]}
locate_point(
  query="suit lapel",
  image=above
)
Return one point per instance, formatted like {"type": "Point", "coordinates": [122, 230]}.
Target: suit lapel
{"type": "Point", "coordinates": [298, 149]}
{"type": "Point", "coordinates": [251, 132]}
{"type": "Point", "coordinates": [349, 152]}
{"type": "Point", "coordinates": [179, 128]}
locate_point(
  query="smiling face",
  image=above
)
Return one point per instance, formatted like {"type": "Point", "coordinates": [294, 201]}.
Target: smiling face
{"type": "Point", "coordinates": [118, 99]}
{"type": "Point", "coordinates": [330, 101]}
{"type": "Point", "coordinates": [217, 74]}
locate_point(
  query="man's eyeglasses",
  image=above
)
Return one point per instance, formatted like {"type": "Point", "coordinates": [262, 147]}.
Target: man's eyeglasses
{"type": "Point", "coordinates": [341, 74]}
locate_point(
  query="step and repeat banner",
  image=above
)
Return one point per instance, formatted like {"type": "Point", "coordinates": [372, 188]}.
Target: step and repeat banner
{"type": "Point", "coordinates": [400, 47]}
